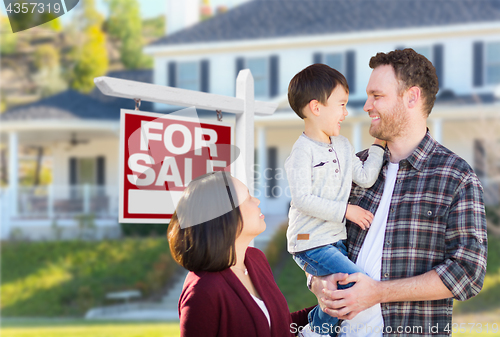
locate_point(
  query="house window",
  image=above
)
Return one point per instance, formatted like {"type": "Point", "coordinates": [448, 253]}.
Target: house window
{"type": "Point", "coordinates": [343, 62]}
{"type": "Point", "coordinates": [492, 63]}
{"type": "Point", "coordinates": [188, 75]}
{"type": "Point", "coordinates": [335, 61]}
{"type": "Point", "coordinates": [86, 169]}
{"type": "Point", "coordinates": [260, 73]}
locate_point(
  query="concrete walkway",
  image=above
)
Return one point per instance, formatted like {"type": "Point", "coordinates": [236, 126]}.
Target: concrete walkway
{"type": "Point", "coordinates": [166, 310]}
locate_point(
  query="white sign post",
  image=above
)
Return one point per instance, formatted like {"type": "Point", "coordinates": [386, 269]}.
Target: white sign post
{"type": "Point", "coordinates": [243, 105]}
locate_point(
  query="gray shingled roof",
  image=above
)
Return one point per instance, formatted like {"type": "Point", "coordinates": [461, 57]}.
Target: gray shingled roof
{"type": "Point", "coordinates": [71, 104]}
{"type": "Point", "coordinates": [260, 19]}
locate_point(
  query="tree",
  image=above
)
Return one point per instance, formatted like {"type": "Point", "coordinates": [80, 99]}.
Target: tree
{"type": "Point", "coordinates": [9, 40]}
{"type": "Point", "coordinates": [48, 76]}
{"type": "Point", "coordinates": [91, 59]}
{"type": "Point", "coordinates": [124, 24]}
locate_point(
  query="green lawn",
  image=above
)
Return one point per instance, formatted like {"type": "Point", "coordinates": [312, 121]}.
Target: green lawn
{"type": "Point", "coordinates": [83, 328]}
{"type": "Point", "coordinates": [66, 278]}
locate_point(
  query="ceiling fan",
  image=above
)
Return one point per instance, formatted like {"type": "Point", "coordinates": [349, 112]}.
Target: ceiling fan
{"type": "Point", "coordinates": [74, 141]}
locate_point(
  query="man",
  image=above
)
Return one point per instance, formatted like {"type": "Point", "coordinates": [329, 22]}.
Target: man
{"type": "Point", "coordinates": [427, 244]}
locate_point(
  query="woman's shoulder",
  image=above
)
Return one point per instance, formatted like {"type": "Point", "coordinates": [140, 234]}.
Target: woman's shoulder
{"type": "Point", "coordinates": [202, 279]}
{"type": "Point", "coordinates": [202, 286]}
{"type": "Point", "coordinates": [257, 258]}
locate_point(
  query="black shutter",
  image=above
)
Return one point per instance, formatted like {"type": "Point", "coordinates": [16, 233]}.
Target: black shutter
{"type": "Point", "coordinates": [101, 173]}
{"type": "Point", "coordinates": [350, 70]}
{"type": "Point", "coordinates": [205, 75]}
{"type": "Point", "coordinates": [317, 58]}
{"type": "Point", "coordinates": [272, 160]}
{"type": "Point", "coordinates": [274, 71]}
{"type": "Point", "coordinates": [72, 171]}
{"type": "Point", "coordinates": [240, 64]}
{"type": "Point", "coordinates": [172, 76]}
{"type": "Point", "coordinates": [438, 63]}
{"type": "Point", "coordinates": [478, 50]}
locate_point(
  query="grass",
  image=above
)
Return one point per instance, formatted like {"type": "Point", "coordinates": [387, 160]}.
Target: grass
{"type": "Point", "coordinates": [67, 278]}
{"type": "Point", "coordinates": [84, 328]}
{"type": "Point", "coordinates": [489, 297]}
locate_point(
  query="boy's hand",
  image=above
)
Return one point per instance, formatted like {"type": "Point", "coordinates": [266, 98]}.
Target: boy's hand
{"type": "Point", "coordinates": [359, 216]}
{"type": "Point", "coordinates": [380, 142]}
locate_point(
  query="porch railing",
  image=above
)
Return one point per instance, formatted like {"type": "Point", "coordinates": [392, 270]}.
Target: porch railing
{"type": "Point", "coordinates": [67, 201]}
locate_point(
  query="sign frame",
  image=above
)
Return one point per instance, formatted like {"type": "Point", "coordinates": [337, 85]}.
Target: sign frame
{"type": "Point", "coordinates": [121, 165]}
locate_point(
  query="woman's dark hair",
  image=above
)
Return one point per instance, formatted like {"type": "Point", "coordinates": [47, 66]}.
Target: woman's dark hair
{"type": "Point", "coordinates": [317, 81]}
{"type": "Point", "coordinates": [206, 223]}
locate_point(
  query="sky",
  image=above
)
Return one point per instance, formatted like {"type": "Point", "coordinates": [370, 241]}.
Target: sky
{"type": "Point", "coordinates": [149, 8]}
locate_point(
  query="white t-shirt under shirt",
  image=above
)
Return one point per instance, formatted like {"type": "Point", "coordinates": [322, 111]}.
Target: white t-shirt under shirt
{"type": "Point", "coordinates": [370, 322]}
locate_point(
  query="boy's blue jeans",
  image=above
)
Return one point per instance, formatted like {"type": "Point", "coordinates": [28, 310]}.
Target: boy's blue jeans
{"type": "Point", "coordinates": [322, 261]}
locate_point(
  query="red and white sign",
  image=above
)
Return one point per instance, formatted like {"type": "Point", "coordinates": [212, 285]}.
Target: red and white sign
{"type": "Point", "coordinates": [159, 155]}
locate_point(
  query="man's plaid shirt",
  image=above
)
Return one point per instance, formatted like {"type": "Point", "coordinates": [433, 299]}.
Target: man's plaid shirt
{"type": "Point", "coordinates": [436, 222]}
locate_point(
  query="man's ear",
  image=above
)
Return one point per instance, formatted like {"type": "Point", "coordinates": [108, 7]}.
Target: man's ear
{"type": "Point", "coordinates": [414, 94]}
{"type": "Point", "coordinates": [314, 107]}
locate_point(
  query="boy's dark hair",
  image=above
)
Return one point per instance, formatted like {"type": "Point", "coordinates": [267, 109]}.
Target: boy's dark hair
{"type": "Point", "coordinates": [411, 69]}
{"type": "Point", "coordinates": [205, 245]}
{"type": "Point", "coordinates": [314, 82]}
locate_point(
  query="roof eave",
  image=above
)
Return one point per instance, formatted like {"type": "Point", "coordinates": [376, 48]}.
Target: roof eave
{"type": "Point", "coordinates": [487, 28]}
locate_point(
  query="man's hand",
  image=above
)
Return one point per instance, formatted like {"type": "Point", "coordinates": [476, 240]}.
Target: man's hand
{"type": "Point", "coordinates": [320, 283]}
{"type": "Point", "coordinates": [359, 216]}
{"type": "Point", "coordinates": [347, 303]}
{"type": "Point", "coordinates": [380, 142]}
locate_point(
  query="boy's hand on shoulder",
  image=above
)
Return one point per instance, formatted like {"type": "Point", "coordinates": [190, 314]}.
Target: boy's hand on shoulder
{"type": "Point", "coordinates": [380, 142]}
{"type": "Point", "coordinates": [359, 216]}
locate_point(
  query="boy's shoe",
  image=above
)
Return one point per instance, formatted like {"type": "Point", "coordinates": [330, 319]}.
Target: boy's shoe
{"type": "Point", "coordinates": [307, 332]}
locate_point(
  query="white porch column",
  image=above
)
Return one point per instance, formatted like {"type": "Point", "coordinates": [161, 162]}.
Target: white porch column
{"type": "Point", "coordinates": [13, 172]}
{"type": "Point", "coordinates": [244, 129]}
{"type": "Point", "coordinates": [438, 130]}
{"type": "Point", "coordinates": [356, 137]}
{"type": "Point", "coordinates": [262, 160]}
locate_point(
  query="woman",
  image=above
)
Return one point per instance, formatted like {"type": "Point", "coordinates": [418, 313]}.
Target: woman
{"type": "Point", "coordinates": [230, 290]}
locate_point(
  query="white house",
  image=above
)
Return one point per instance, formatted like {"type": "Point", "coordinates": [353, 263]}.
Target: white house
{"type": "Point", "coordinates": [274, 39]}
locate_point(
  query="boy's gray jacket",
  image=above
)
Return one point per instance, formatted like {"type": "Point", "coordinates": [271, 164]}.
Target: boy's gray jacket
{"type": "Point", "coordinates": [320, 176]}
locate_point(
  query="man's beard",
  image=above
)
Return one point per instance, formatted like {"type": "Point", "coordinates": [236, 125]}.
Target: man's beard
{"type": "Point", "coordinates": [391, 125]}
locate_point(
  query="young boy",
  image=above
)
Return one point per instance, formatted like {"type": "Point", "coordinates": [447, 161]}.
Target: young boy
{"type": "Point", "coordinates": [320, 171]}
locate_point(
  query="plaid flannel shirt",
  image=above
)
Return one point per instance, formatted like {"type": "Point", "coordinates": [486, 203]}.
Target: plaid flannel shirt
{"type": "Point", "coordinates": [436, 222]}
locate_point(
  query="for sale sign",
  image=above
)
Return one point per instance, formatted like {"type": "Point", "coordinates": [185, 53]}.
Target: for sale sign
{"type": "Point", "coordinates": [160, 155]}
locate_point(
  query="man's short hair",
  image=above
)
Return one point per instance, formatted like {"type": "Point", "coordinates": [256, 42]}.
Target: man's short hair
{"type": "Point", "coordinates": [317, 81]}
{"type": "Point", "coordinates": [411, 69]}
